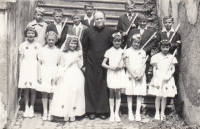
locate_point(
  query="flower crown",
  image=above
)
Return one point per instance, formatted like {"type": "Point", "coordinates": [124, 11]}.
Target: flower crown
{"type": "Point", "coordinates": [136, 36]}
{"type": "Point", "coordinates": [71, 37]}
{"type": "Point", "coordinates": [117, 34]}
{"type": "Point", "coordinates": [51, 33]}
{"type": "Point", "coordinates": [30, 28]}
{"type": "Point", "coordinates": [165, 42]}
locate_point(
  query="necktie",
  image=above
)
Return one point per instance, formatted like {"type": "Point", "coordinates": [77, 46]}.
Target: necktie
{"type": "Point", "coordinates": [129, 17]}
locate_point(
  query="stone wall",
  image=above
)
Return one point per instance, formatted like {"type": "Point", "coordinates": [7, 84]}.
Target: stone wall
{"type": "Point", "coordinates": [14, 17]}
{"type": "Point", "coordinates": [187, 12]}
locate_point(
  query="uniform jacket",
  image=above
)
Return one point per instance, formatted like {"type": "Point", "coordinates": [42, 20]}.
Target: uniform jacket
{"type": "Point", "coordinates": [72, 31]}
{"type": "Point", "coordinates": [52, 27]}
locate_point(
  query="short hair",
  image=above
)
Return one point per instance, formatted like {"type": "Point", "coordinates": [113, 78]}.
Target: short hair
{"type": "Point", "coordinates": [75, 13]}
{"type": "Point", "coordinates": [136, 37]}
{"type": "Point", "coordinates": [39, 10]}
{"type": "Point", "coordinates": [67, 42]}
{"type": "Point", "coordinates": [98, 12]}
{"type": "Point", "coordinates": [30, 28]}
{"type": "Point", "coordinates": [164, 42]}
{"type": "Point", "coordinates": [168, 17]}
{"type": "Point", "coordinates": [142, 17]}
{"type": "Point", "coordinates": [57, 11]}
{"type": "Point", "coordinates": [129, 3]}
{"type": "Point", "coordinates": [89, 5]}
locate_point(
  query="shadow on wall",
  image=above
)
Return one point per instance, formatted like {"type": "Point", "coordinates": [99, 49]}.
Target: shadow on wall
{"type": "Point", "coordinates": [3, 113]}
{"type": "Point", "coordinates": [187, 12]}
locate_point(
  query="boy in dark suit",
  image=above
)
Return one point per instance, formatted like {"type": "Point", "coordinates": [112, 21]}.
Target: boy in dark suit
{"type": "Point", "coordinates": [126, 20]}
{"type": "Point", "coordinates": [146, 33]}
{"type": "Point", "coordinates": [167, 32]}
{"type": "Point", "coordinates": [78, 28]}
{"type": "Point", "coordinates": [57, 27]}
{"type": "Point", "coordinates": [88, 19]}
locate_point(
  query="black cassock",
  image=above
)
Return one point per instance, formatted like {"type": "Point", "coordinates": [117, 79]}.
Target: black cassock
{"type": "Point", "coordinates": [95, 43]}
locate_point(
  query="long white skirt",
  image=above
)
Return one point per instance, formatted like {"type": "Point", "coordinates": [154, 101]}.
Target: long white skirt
{"type": "Point", "coordinates": [69, 96]}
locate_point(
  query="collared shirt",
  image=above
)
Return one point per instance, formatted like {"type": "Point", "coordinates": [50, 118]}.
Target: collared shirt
{"type": "Point", "coordinates": [142, 30]}
{"type": "Point", "coordinates": [38, 26]}
{"type": "Point", "coordinates": [130, 16]}
{"type": "Point", "coordinates": [77, 28]}
{"type": "Point", "coordinates": [88, 18]}
{"type": "Point", "coordinates": [58, 27]}
{"type": "Point", "coordinates": [41, 30]}
{"type": "Point", "coordinates": [168, 32]}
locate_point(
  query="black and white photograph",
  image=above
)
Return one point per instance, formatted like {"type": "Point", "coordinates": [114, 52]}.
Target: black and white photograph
{"type": "Point", "coordinates": [99, 64]}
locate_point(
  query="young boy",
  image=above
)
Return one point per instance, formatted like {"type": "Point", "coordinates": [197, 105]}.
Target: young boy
{"type": "Point", "coordinates": [146, 33]}
{"type": "Point", "coordinates": [57, 26]}
{"type": "Point", "coordinates": [167, 32]}
{"type": "Point", "coordinates": [126, 20]}
{"type": "Point", "coordinates": [39, 25]}
{"type": "Point", "coordinates": [78, 28]}
{"type": "Point", "coordinates": [87, 19]}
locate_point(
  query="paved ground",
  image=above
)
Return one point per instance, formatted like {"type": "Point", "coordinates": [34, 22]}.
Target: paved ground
{"type": "Point", "coordinates": [172, 122]}
{"type": "Point", "coordinates": [81, 123]}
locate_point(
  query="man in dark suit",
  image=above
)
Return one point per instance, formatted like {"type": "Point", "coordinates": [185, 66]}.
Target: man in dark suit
{"type": "Point", "coordinates": [57, 27]}
{"type": "Point", "coordinates": [126, 20]}
{"type": "Point", "coordinates": [87, 19]}
{"type": "Point", "coordinates": [96, 41]}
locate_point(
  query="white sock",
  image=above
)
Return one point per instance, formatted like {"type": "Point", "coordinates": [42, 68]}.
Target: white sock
{"type": "Point", "coordinates": [111, 101]}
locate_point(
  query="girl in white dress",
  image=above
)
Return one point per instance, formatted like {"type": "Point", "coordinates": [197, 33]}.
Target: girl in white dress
{"type": "Point", "coordinates": [28, 69]}
{"type": "Point", "coordinates": [162, 84]}
{"type": "Point", "coordinates": [69, 98]}
{"type": "Point", "coordinates": [136, 79]}
{"type": "Point", "coordinates": [115, 74]}
{"type": "Point", "coordinates": [48, 58]}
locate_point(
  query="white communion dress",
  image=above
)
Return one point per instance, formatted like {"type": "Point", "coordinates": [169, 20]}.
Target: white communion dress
{"type": "Point", "coordinates": [159, 86]}
{"type": "Point", "coordinates": [49, 56]}
{"type": "Point", "coordinates": [136, 58]}
{"type": "Point", "coordinates": [115, 79]}
{"type": "Point", "coordinates": [28, 67]}
{"type": "Point", "coordinates": [69, 97]}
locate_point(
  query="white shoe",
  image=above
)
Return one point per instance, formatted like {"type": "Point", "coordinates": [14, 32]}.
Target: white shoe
{"type": "Point", "coordinates": [157, 116]}
{"type": "Point", "coordinates": [112, 118]}
{"type": "Point", "coordinates": [44, 118]}
{"type": "Point", "coordinates": [117, 118]}
{"type": "Point", "coordinates": [137, 117]}
{"type": "Point", "coordinates": [50, 117]}
{"type": "Point", "coordinates": [162, 117]}
{"type": "Point", "coordinates": [26, 112]}
{"type": "Point", "coordinates": [130, 116]}
{"type": "Point", "coordinates": [66, 118]}
{"type": "Point", "coordinates": [31, 112]}
{"type": "Point", "coordinates": [72, 118]}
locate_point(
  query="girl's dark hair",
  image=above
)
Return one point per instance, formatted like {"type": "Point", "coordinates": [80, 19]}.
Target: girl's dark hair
{"type": "Point", "coordinates": [117, 34]}
{"type": "Point", "coordinates": [29, 28]}
{"type": "Point", "coordinates": [164, 43]}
